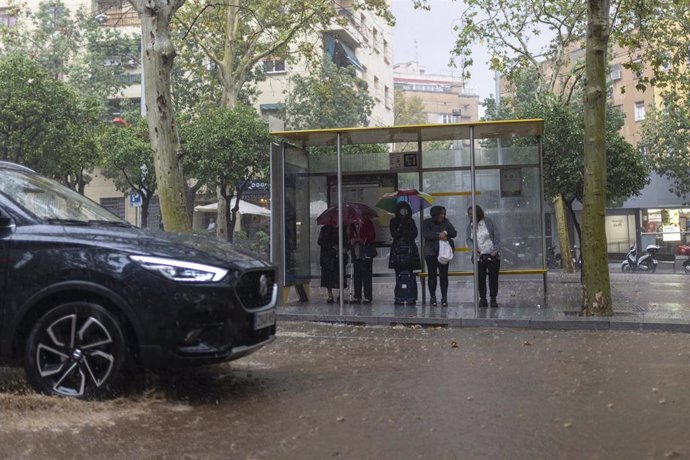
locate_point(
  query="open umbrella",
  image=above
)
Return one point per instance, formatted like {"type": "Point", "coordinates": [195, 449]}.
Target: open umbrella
{"type": "Point", "coordinates": [417, 200]}
{"type": "Point", "coordinates": [352, 212]}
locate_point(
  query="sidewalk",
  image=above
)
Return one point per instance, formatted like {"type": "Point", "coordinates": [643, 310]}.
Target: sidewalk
{"type": "Point", "coordinates": [642, 302]}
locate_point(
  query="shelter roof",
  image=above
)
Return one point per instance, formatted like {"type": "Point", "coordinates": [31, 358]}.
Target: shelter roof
{"type": "Point", "coordinates": [414, 133]}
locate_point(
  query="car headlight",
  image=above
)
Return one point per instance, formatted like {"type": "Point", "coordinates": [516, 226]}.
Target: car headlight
{"type": "Point", "coordinates": [178, 270]}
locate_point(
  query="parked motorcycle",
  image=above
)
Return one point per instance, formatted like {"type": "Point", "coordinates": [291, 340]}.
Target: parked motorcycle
{"type": "Point", "coordinates": [684, 250]}
{"type": "Point", "coordinates": [646, 262]}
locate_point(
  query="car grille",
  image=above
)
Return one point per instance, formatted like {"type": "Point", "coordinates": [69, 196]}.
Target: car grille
{"type": "Point", "coordinates": [248, 288]}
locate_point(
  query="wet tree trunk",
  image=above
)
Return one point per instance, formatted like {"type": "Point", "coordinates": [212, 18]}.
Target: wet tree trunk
{"type": "Point", "coordinates": [563, 234]}
{"type": "Point", "coordinates": [159, 53]}
{"type": "Point", "coordinates": [596, 299]}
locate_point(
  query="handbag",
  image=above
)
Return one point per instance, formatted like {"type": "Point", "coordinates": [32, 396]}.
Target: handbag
{"type": "Point", "coordinates": [445, 252]}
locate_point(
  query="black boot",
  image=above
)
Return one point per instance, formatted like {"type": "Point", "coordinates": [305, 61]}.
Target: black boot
{"type": "Point", "coordinates": [483, 303]}
{"type": "Point", "coordinates": [494, 304]}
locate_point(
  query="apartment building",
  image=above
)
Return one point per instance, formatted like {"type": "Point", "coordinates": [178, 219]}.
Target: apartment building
{"type": "Point", "coordinates": [364, 43]}
{"type": "Point", "coordinates": [445, 98]}
{"type": "Point", "coordinates": [656, 216]}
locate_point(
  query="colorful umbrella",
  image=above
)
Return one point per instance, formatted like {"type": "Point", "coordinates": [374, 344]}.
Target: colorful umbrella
{"type": "Point", "coordinates": [352, 212]}
{"type": "Point", "coordinates": [417, 200]}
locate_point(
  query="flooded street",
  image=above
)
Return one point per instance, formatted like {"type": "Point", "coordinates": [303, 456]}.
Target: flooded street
{"type": "Point", "coordinates": [327, 391]}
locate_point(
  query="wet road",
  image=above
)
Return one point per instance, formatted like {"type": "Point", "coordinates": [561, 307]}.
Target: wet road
{"type": "Point", "coordinates": [324, 391]}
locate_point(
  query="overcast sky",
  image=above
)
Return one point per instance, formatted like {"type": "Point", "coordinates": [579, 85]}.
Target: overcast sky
{"type": "Point", "coordinates": [428, 38]}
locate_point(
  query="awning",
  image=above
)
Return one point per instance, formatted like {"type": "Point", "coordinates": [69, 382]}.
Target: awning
{"type": "Point", "coordinates": [350, 55]}
{"type": "Point", "coordinates": [245, 208]}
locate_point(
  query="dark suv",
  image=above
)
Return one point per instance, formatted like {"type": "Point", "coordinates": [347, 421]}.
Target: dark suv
{"type": "Point", "coordinates": [85, 297]}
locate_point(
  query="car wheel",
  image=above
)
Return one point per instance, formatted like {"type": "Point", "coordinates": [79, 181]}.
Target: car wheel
{"type": "Point", "coordinates": [76, 349]}
{"type": "Point", "coordinates": [686, 267]}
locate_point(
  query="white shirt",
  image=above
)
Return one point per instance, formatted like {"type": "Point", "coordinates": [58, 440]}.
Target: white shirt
{"type": "Point", "coordinates": [485, 244]}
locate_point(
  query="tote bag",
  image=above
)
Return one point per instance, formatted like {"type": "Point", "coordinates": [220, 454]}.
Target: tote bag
{"type": "Point", "coordinates": [445, 252]}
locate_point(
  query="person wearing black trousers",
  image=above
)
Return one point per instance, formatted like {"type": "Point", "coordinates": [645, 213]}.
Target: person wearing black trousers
{"type": "Point", "coordinates": [486, 254]}
{"type": "Point", "coordinates": [361, 237]}
{"type": "Point", "coordinates": [434, 229]}
{"type": "Point", "coordinates": [404, 254]}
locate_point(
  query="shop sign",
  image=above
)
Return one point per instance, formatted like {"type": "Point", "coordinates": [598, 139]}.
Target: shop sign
{"type": "Point", "coordinates": [671, 233]}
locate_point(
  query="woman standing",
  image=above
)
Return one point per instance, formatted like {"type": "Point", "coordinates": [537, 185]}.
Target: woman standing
{"type": "Point", "coordinates": [361, 236]}
{"type": "Point", "coordinates": [486, 253]}
{"type": "Point", "coordinates": [434, 229]}
{"type": "Point", "coordinates": [328, 259]}
{"type": "Point", "coordinates": [404, 255]}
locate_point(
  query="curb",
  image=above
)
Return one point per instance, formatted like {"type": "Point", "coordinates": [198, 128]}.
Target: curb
{"type": "Point", "coordinates": [569, 324]}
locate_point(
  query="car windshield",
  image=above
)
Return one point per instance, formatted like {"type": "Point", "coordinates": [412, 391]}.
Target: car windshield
{"type": "Point", "coordinates": [50, 201]}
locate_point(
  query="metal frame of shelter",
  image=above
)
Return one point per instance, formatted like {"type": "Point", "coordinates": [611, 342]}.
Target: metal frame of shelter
{"type": "Point", "coordinates": [418, 134]}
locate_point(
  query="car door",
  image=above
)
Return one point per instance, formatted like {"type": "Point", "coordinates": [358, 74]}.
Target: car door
{"type": "Point", "coordinates": [6, 231]}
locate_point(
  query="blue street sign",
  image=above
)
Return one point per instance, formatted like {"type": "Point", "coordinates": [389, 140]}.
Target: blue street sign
{"type": "Point", "coordinates": [134, 200]}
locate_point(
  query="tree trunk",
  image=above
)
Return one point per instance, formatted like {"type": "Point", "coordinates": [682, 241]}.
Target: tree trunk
{"type": "Point", "coordinates": [596, 298]}
{"type": "Point", "coordinates": [159, 54]}
{"type": "Point", "coordinates": [563, 234]}
{"type": "Point", "coordinates": [230, 86]}
{"type": "Point", "coordinates": [145, 201]}
{"type": "Point", "coordinates": [223, 210]}
{"type": "Point", "coordinates": [190, 196]}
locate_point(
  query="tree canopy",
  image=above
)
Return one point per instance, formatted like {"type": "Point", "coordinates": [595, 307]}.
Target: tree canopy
{"type": "Point", "coordinates": [226, 149]}
{"type": "Point", "coordinates": [127, 160]}
{"type": "Point", "coordinates": [46, 124]}
{"type": "Point", "coordinates": [332, 98]}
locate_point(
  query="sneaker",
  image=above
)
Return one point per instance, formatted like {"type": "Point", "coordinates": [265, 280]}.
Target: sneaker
{"type": "Point", "coordinates": [494, 304]}
{"type": "Point", "coordinates": [483, 303]}
{"type": "Point", "coordinates": [329, 300]}
{"type": "Point", "coordinates": [444, 302]}
{"type": "Point", "coordinates": [355, 301]}
{"type": "Point", "coordinates": [366, 301]}
{"type": "Point", "coordinates": [432, 301]}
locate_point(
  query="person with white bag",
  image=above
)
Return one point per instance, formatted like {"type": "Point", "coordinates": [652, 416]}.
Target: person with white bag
{"type": "Point", "coordinates": [438, 235]}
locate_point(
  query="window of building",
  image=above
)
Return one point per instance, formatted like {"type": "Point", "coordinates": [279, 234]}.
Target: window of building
{"type": "Point", "coordinates": [616, 72]}
{"type": "Point", "coordinates": [445, 118]}
{"type": "Point", "coordinates": [363, 27]}
{"type": "Point", "coordinates": [385, 50]}
{"type": "Point", "coordinates": [7, 18]}
{"type": "Point", "coordinates": [375, 39]}
{"type": "Point", "coordinates": [640, 113]}
{"type": "Point", "coordinates": [274, 66]}
{"type": "Point", "coordinates": [638, 69]}
{"type": "Point", "coordinates": [387, 96]}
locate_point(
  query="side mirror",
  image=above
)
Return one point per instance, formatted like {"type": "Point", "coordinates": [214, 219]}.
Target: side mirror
{"type": "Point", "coordinates": [6, 223]}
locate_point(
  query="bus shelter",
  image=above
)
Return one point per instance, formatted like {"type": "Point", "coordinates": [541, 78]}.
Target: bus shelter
{"type": "Point", "coordinates": [495, 164]}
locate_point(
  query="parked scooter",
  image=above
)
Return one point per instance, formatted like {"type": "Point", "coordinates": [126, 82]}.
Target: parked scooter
{"type": "Point", "coordinates": [643, 263]}
{"type": "Point", "coordinates": [684, 250]}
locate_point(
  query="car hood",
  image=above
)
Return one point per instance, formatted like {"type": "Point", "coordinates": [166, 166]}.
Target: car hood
{"type": "Point", "coordinates": [192, 248]}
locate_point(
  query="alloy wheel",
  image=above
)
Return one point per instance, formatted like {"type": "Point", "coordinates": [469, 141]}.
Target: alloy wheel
{"type": "Point", "coordinates": [75, 350]}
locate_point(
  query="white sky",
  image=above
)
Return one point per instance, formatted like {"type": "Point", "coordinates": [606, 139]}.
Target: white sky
{"type": "Point", "coordinates": [428, 38]}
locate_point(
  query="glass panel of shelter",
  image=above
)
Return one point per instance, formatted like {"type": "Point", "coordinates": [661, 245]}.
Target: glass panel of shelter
{"type": "Point", "coordinates": [296, 219]}
{"type": "Point", "coordinates": [508, 188]}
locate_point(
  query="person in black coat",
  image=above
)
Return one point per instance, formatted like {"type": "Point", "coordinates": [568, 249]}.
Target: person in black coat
{"type": "Point", "coordinates": [404, 255]}
{"type": "Point", "coordinates": [434, 229]}
{"type": "Point", "coordinates": [328, 259]}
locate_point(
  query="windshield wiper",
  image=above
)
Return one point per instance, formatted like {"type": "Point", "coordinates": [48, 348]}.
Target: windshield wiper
{"type": "Point", "coordinates": [111, 223]}
{"type": "Point", "coordinates": [56, 220]}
